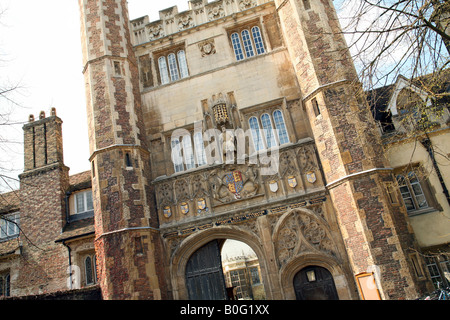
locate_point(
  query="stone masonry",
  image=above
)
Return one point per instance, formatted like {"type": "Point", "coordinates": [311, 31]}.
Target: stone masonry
{"type": "Point", "coordinates": [375, 232]}
{"type": "Point", "coordinates": [127, 242]}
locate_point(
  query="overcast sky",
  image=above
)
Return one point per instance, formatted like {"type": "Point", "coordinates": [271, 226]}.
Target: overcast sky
{"type": "Point", "coordinates": [40, 49]}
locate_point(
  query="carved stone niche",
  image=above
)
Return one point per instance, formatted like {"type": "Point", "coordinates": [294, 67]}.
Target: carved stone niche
{"type": "Point", "coordinates": [302, 231]}
{"type": "Point", "coordinates": [221, 112]}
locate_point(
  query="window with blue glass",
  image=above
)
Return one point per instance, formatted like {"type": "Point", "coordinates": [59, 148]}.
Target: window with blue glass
{"type": "Point", "coordinates": [268, 131]}
{"type": "Point", "coordinates": [173, 67]}
{"type": "Point", "coordinates": [258, 142]}
{"type": "Point", "coordinates": [258, 40]}
{"type": "Point", "coordinates": [280, 126]}
{"type": "Point", "coordinates": [237, 46]}
{"type": "Point", "coordinates": [247, 43]}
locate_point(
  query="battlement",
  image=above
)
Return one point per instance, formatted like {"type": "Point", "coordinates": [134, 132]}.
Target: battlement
{"type": "Point", "coordinates": [200, 12]}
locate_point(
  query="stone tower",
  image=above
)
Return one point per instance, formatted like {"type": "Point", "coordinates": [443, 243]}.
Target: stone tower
{"type": "Point", "coordinates": [127, 240]}
{"type": "Point", "coordinates": [374, 226]}
{"type": "Point", "coordinates": [42, 209]}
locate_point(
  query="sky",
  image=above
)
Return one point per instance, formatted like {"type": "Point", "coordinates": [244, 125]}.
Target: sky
{"type": "Point", "coordinates": [40, 49]}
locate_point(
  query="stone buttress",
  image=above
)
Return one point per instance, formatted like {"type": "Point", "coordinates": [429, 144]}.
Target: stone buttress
{"type": "Point", "coordinates": [127, 241]}
{"type": "Point", "coordinates": [376, 233]}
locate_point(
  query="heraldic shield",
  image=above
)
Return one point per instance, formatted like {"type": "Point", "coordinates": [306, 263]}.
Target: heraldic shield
{"type": "Point", "coordinates": [235, 183]}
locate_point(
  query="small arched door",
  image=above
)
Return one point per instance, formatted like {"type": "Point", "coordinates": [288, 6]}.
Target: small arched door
{"type": "Point", "coordinates": [315, 283]}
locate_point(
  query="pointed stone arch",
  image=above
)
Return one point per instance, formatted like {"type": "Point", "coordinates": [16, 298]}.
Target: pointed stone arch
{"type": "Point", "coordinates": [194, 242]}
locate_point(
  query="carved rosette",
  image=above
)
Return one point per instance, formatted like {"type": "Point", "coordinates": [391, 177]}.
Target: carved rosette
{"type": "Point", "coordinates": [300, 231]}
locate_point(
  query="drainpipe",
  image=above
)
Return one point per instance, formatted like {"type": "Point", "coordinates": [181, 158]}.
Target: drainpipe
{"type": "Point", "coordinates": [69, 250]}
{"type": "Point", "coordinates": [68, 193]}
{"type": "Point", "coordinates": [428, 145]}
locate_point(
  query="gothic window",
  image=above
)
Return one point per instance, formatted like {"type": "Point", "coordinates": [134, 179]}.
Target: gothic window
{"type": "Point", "coordinates": [177, 158]}
{"type": "Point", "coordinates": [188, 153]}
{"type": "Point", "coordinates": [5, 285]}
{"type": "Point", "coordinates": [163, 71]}
{"type": "Point", "coordinates": [258, 40]}
{"type": "Point", "coordinates": [199, 149]}
{"type": "Point", "coordinates": [183, 64]}
{"type": "Point", "coordinates": [258, 142]}
{"type": "Point", "coordinates": [280, 125]}
{"type": "Point", "coordinates": [247, 42]}
{"type": "Point", "coordinates": [412, 192]}
{"type": "Point", "coordinates": [273, 133]}
{"type": "Point", "coordinates": [9, 226]}
{"type": "Point", "coordinates": [173, 67]}
{"type": "Point", "coordinates": [248, 46]}
{"type": "Point", "coordinates": [237, 47]}
{"type": "Point", "coordinates": [438, 267]}
{"type": "Point", "coordinates": [268, 130]}
{"type": "Point", "coordinates": [90, 269]}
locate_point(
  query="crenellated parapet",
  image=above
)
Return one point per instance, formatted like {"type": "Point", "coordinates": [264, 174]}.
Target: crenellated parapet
{"type": "Point", "coordinates": [200, 12]}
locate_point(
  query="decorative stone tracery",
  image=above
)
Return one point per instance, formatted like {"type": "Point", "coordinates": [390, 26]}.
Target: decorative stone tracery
{"type": "Point", "coordinates": [299, 231]}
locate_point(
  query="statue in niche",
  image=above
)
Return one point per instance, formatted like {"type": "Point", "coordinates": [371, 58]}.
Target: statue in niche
{"type": "Point", "coordinates": [228, 144]}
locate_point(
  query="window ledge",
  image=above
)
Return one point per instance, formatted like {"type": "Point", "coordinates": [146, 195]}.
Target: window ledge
{"type": "Point", "coordinates": [419, 212]}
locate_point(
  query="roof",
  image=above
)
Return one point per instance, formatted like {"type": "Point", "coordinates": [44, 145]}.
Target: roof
{"type": "Point", "coordinates": [10, 202]}
{"type": "Point", "coordinates": [437, 85]}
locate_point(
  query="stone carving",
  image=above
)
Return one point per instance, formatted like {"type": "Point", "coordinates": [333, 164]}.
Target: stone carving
{"type": "Point", "coordinates": [165, 194]}
{"type": "Point", "coordinates": [287, 164]}
{"type": "Point", "coordinates": [247, 4]}
{"type": "Point", "coordinates": [215, 13]}
{"type": "Point", "coordinates": [155, 32]}
{"type": "Point", "coordinates": [230, 185]}
{"type": "Point", "coordinates": [299, 231]}
{"type": "Point", "coordinates": [207, 47]}
{"type": "Point", "coordinates": [182, 190]}
{"type": "Point", "coordinates": [185, 22]}
{"type": "Point", "coordinates": [307, 158]}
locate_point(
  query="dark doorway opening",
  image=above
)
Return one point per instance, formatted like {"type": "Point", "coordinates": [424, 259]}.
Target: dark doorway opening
{"type": "Point", "coordinates": [315, 283]}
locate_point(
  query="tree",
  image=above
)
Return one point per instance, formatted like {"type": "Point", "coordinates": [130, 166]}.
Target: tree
{"type": "Point", "coordinates": [392, 37]}
{"type": "Point", "coordinates": [9, 102]}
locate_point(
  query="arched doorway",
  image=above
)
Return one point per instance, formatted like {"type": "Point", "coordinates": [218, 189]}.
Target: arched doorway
{"type": "Point", "coordinates": [315, 283]}
{"type": "Point", "coordinates": [224, 269]}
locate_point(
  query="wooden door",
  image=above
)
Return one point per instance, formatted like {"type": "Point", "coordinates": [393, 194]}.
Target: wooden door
{"type": "Point", "coordinates": [315, 283]}
{"type": "Point", "coordinates": [204, 275]}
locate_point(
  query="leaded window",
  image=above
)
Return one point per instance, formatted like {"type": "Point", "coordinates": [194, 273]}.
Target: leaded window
{"type": "Point", "coordinates": [258, 142]}
{"type": "Point", "coordinates": [412, 192]}
{"type": "Point", "coordinates": [268, 130]}
{"type": "Point", "coordinates": [173, 67]}
{"type": "Point", "coordinates": [5, 285]}
{"type": "Point", "coordinates": [247, 43]}
{"type": "Point", "coordinates": [200, 149]}
{"type": "Point", "coordinates": [90, 269]}
{"type": "Point", "coordinates": [237, 47]}
{"type": "Point", "coordinates": [9, 226]}
{"type": "Point", "coordinates": [280, 125]}
{"type": "Point", "coordinates": [259, 45]}
{"type": "Point", "coordinates": [248, 46]}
